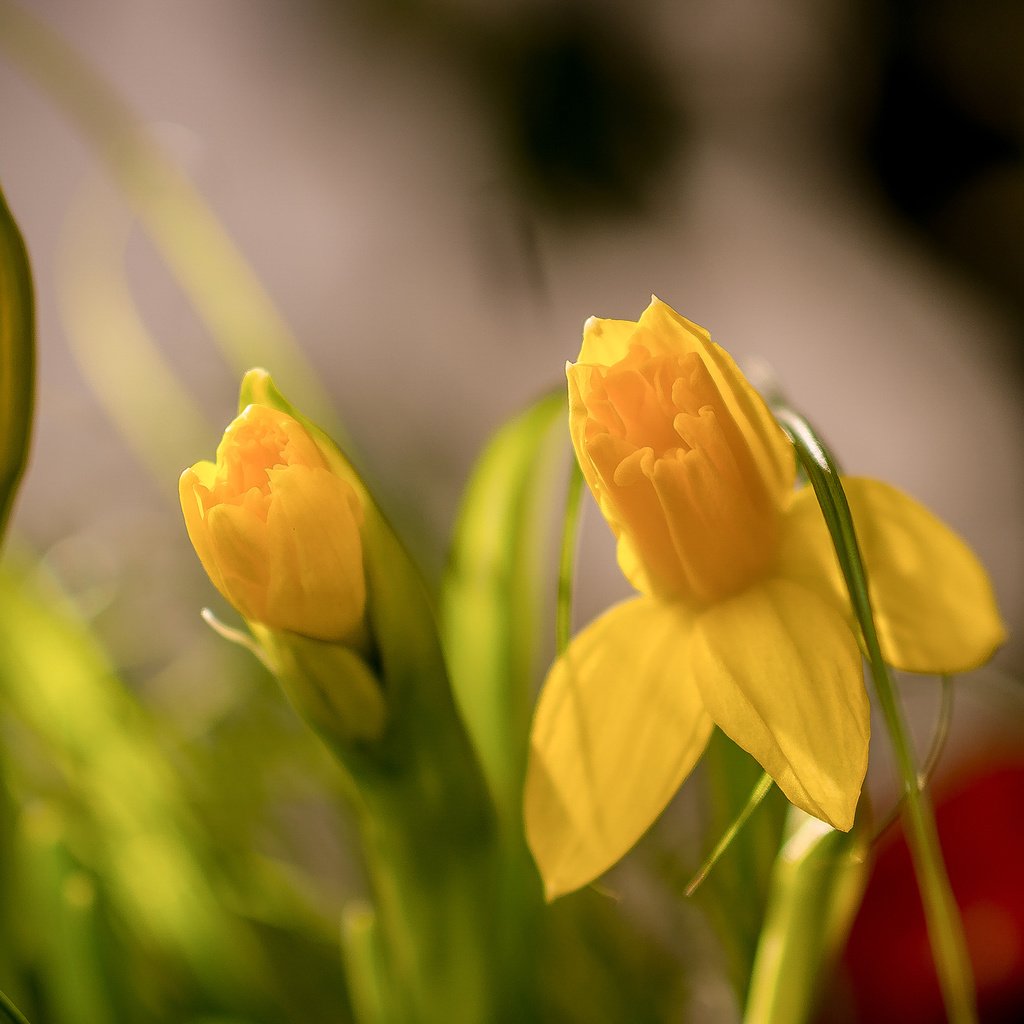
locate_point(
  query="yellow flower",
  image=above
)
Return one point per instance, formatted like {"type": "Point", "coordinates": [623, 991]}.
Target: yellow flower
{"type": "Point", "coordinates": [742, 620]}
{"type": "Point", "coordinates": [276, 529]}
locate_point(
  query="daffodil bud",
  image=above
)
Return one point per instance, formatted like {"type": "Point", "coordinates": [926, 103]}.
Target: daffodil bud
{"type": "Point", "coordinates": [277, 529]}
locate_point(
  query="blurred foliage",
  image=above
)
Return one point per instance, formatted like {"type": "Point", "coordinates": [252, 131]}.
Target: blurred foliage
{"type": "Point", "coordinates": [816, 887]}
{"type": "Point", "coordinates": [119, 904]}
{"type": "Point", "coordinates": [496, 592]}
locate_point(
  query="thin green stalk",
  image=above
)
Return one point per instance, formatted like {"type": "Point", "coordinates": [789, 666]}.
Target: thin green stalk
{"type": "Point", "coordinates": [757, 794]}
{"type": "Point", "coordinates": [9, 1012]}
{"type": "Point", "coordinates": [945, 930]}
{"type": "Point", "coordinates": [567, 560]}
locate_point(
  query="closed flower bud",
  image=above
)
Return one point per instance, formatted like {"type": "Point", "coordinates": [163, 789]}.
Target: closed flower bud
{"type": "Point", "coordinates": [277, 530]}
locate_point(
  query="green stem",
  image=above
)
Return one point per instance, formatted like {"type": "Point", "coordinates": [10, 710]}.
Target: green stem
{"type": "Point", "coordinates": [945, 930]}
{"type": "Point", "coordinates": [757, 794]}
{"type": "Point", "coordinates": [9, 1012]}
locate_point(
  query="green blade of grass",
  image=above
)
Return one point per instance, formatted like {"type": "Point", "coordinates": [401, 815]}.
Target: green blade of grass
{"type": "Point", "coordinates": [945, 929]}
{"type": "Point", "coordinates": [17, 359]}
{"type": "Point", "coordinates": [495, 592]}
{"type": "Point", "coordinates": [9, 1012]}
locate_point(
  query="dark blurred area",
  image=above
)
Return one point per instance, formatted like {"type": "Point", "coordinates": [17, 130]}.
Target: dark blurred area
{"type": "Point", "coordinates": [588, 121]}
{"type": "Point", "coordinates": [945, 140]}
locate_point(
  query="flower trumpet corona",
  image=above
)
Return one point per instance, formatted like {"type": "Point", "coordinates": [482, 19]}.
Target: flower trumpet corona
{"type": "Point", "coordinates": [277, 530]}
{"type": "Point", "coordinates": [742, 620]}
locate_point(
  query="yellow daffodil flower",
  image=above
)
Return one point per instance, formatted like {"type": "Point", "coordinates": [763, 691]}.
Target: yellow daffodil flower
{"type": "Point", "coordinates": [277, 530]}
{"type": "Point", "coordinates": [742, 620]}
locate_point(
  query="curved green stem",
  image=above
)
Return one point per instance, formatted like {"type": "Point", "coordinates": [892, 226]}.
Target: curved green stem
{"type": "Point", "coordinates": [945, 930]}
{"type": "Point", "coordinates": [944, 926]}
{"type": "Point", "coordinates": [931, 760]}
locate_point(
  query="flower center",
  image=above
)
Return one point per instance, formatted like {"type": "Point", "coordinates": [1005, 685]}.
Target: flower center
{"type": "Point", "coordinates": [258, 442]}
{"type": "Point", "coordinates": [676, 477]}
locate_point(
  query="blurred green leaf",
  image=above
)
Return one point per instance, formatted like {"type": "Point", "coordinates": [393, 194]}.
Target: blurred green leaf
{"type": "Point", "coordinates": [64, 933]}
{"type": "Point", "coordinates": [735, 893]}
{"type": "Point", "coordinates": [17, 359]}
{"type": "Point", "coordinates": [172, 937]}
{"type": "Point", "coordinates": [495, 591]}
{"type": "Point", "coordinates": [816, 886]}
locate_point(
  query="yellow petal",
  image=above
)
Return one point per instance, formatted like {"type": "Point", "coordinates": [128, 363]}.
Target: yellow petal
{"type": "Point", "coordinates": [238, 544]}
{"type": "Point", "coordinates": [192, 483]}
{"type": "Point", "coordinates": [663, 328]}
{"type": "Point", "coordinates": [605, 341]}
{"type": "Point", "coordinates": [618, 727]}
{"type": "Point", "coordinates": [932, 599]}
{"type": "Point", "coordinates": [315, 583]}
{"type": "Point", "coordinates": [780, 673]}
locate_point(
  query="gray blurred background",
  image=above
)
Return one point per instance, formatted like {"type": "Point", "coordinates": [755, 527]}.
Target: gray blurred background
{"type": "Point", "coordinates": [437, 193]}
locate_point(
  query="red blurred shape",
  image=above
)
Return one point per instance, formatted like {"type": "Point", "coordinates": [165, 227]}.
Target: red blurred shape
{"type": "Point", "coordinates": [888, 960]}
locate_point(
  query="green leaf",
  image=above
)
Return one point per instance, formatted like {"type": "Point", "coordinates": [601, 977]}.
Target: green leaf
{"type": "Point", "coordinates": [735, 893]}
{"type": "Point", "coordinates": [17, 359]}
{"type": "Point", "coordinates": [816, 887]}
{"type": "Point", "coordinates": [495, 591]}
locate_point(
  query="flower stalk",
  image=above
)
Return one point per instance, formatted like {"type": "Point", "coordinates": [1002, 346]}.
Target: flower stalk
{"type": "Point", "coordinates": [945, 929]}
{"type": "Point", "coordinates": [757, 794]}
{"type": "Point", "coordinates": [9, 1012]}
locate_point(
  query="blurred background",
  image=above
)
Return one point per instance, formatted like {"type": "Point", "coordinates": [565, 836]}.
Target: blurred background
{"type": "Point", "coordinates": [436, 193]}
